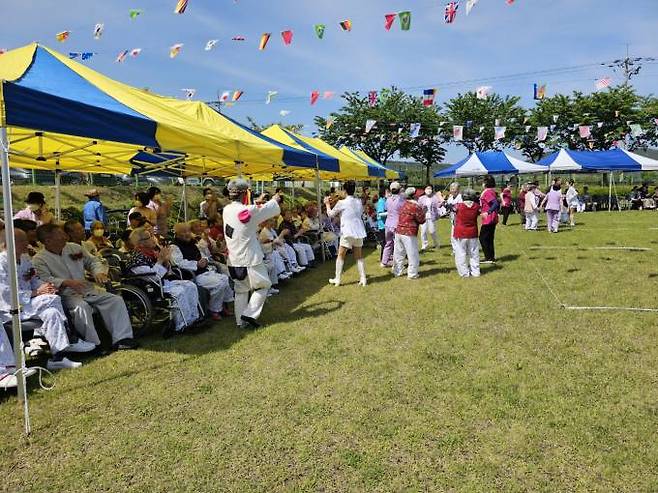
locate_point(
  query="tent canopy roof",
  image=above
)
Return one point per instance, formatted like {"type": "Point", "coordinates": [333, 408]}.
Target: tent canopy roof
{"type": "Point", "coordinates": [595, 161]}
{"type": "Point", "coordinates": [489, 163]}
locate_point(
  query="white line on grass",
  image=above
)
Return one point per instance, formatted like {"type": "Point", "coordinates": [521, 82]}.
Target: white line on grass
{"type": "Point", "coordinates": [621, 248]}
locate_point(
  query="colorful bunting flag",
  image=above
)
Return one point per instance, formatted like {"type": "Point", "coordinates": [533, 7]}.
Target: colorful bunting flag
{"type": "Point", "coordinates": [405, 20]}
{"type": "Point", "coordinates": [319, 30]}
{"type": "Point", "coordinates": [458, 132]}
{"type": "Point", "coordinates": [98, 30]}
{"type": "Point", "coordinates": [655, 120]}
{"type": "Point", "coordinates": [328, 94]}
{"type": "Point", "coordinates": [372, 98]}
{"type": "Point", "coordinates": [121, 56]}
{"type": "Point", "coordinates": [481, 129]}
{"type": "Point", "coordinates": [174, 50]}
{"type": "Point", "coordinates": [539, 92]}
{"type": "Point", "coordinates": [63, 36]}
{"type": "Point", "coordinates": [482, 92]}
{"type": "Point", "coordinates": [346, 25]}
{"type": "Point", "coordinates": [134, 13]}
{"type": "Point", "coordinates": [264, 39]}
{"type": "Point", "coordinates": [414, 130]}
{"type": "Point", "coordinates": [284, 113]}
{"type": "Point", "coordinates": [603, 83]}
{"type": "Point", "coordinates": [553, 127]}
{"type": "Point", "coordinates": [135, 52]}
{"type": "Point", "coordinates": [287, 37]}
{"type": "Point", "coordinates": [636, 130]}
{"type": "Point", "coordinates": [85, 55]}
{"type": "Point", "coordinates": [542, 133]}
{"type": "Point", "coordinates": [389, 19]}
{"type": "Point", "coordinates": [450, 12]}
{"type": "Point", "coordinates": [237, 95]}
{"type": "Point", "coordinates": [469, 123]}
{"type": "Point", "coordinates": [369, 125]}
{"type": "Point", "coordinates": [3, 51]}
{"type": "Point", "coordinates": [585, 131]}
{"type": "Point", "coordinates": [189, 93]}
{"type": "Point", "coordinates": [499, 133]}
{"type": "Point", "coordinates": [555, 118]}
{"type": "Point", "coordinates": [315, 95]}
{"type": "Point", "coordinates": [330, 121]}
{"type": "Point", "coordinates": [270, 96]}
{"type": "Point", "coordinates": [238, 38]}
{"type": "Point", "coordinates": [211, 44]}
{"type": "Point", "coordinates": [527, 128]}
{"type": "Point", "coordinates": [226, 95]}
{"type": "Point", "coordinates": [509, 2]}
{"type": "Point", "coordinates": [497, 122]}
{"type": "Point", "coordinates": [180, 7]}
{"type": "Point", "coordinates": [599, 124]}
{"type": "Point", "coordinates": [469, 5]}
{"type": "Point", "coordinates": [428, 97]}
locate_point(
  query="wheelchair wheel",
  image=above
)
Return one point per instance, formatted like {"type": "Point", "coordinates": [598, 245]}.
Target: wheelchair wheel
{"type": "Point", "coordinates": [139, 307]}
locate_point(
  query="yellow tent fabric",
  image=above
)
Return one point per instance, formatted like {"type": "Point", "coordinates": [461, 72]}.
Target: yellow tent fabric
{"type": "Point", "coordinates": [388, 173]}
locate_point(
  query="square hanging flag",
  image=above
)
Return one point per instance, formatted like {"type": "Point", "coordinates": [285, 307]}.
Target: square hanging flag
{"type": "Point", "coordinates": [584, 131]}
{"type": "Point", "coordinates": [482, 92]}
{"type": "Point", "coordinates": [319, 30]}
{"type": "Point", "coordinates": [287, 37]}
{"type": "Point", "coordinates": [346, 25]}
{"type": "Point", "coordinates": [328, 94]}
{"type": "Point", "coordinates": [499, 133]}
{"type": "Point", "coordinates": [237, 95]}
{"type": "Point", "coordinates": [636, 130]}
{"type": "Point", "coordinates": [264, 39]}
{"type": "Point", "coordinates": [458, 132]}
{"type": "Point", "coordinates": [389, 19]}
{"type": "Point", "coordinates": [315, 95]}
{"type": "Point", "coordinates": [372, 98]}
{"type": "Point", "coordinates": [497, 122]}
{"type": "Point", "coordinates": [226, 95]}
{"type": "Point", "coordinates": [428, 97]}
{"type": "Point", "coordinates": [369, 125]}
{"type": "Point", "coordinates": [539, 92]}
{"type": "Point", "coordinates": [63, 36]}
{"type": "Point", "coordinates": [542, 133]}
{"type": "Point", "coordinates": [405, 20]}
{"type": "Point", "coordinates": [414, 130]}
{"type": "Point", "coordinates": [98, 30]}
{"type": "Point", "coordinates": [450, 12]}
{"type": "Point", "coordinates": [174, 50]}
{"type": "Point", "coordinates": [603, 83]}
{"type": "Point", "coordinates": [180, 7]}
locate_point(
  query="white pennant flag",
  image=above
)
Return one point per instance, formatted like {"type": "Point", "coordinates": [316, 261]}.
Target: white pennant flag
{"type": "Point", "coordinates": [369, 125]}
{"type": "Point", "coordinates": [211, 44]}
{"type": "Point", "coordinates": [636, 130]}
{"type": "Point", "coordinates": [542, 133]}
{"type": "Point", "coordinates": [414, 130]}
{"type": "Point", "coordinates": [270, 95]}
{"type": "Point", "coordinates": [458, 132]}
{"type": "Point", "coordinates": [469, 5]}
{"type": "Point", "coordinates": [226, 95]}
{"type": "Point", "coordinates": [135, 52]}
{"type": "Point", "coordinates": [600, 124]}
{"type": "Point", "coordinates": [497, 122]}
{"type": "Point", "coordinates": [189, 93]}
{"type": "Point", "coordinates": [482, 92]}
{"type": "Point", "coordinates": [284, 113]}
{"type": "Point", "coordinates": [499, 133]}
{"type": "Point", "coordinates": [527, 128]}
{"type": "Point", "coordinates": [481, 129]}
{"type": "Point", "coordinates": [555, 118]}
{"type": "Point", "coordinates": [98, 30]}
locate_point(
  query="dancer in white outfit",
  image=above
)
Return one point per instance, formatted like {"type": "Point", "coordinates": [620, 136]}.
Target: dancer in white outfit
{"type": "Point", "coordinates": [431, 202]}
{"type": "Point", "coordinates": [245, 255]}
{"type": "Point", "coordinates": [352, 231]}
{"type": "Point", "coordinates": [453, 199]}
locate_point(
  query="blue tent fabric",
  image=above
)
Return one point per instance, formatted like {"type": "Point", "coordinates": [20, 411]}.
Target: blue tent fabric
{"type": "Point", "coordinates": [594, 161]}
{"type": "Point", "coordinates": [325, 162]}
{"type": "Point", "coordinates": [489, 163]}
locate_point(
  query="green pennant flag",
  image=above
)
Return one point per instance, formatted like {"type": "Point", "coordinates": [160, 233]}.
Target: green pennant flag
{"type": "Point", "coordinates": [319, 30]}
{"type": "Point", "coordinates": [405, 20]}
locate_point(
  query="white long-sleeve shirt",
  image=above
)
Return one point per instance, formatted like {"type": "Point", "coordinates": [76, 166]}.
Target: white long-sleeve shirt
{"type": "Point", "coordinates": [351, 213]}
{"type": "Point", "coordinates": [244, 249]}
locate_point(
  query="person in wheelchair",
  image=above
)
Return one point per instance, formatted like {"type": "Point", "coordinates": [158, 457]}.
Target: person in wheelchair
{"type": "Point", "coordinates": [97, 241]}
{"type": "Point", "coordinates": [147, 259]}
{"type": "Point", "coordinates": [186, 255]}
{"type": "Point", "coordinates": [38, 300]}
{"type": "Point", "coordinates": [63, 264]}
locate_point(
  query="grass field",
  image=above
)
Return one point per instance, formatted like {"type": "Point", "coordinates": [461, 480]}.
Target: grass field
{"type": "Point", "coordinates": [438, 384]}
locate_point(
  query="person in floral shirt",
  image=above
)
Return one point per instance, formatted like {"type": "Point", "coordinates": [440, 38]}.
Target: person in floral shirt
{"type": "Point", "coordinates": [412, 215]}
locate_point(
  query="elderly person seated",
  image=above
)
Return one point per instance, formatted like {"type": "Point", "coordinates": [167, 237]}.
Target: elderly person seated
{"type": "Point", "coordinates": [146, 258]}
{"type": "Point", "coordinates": [97, 241]}
{"type": "Point", "coordinates": [76, 234]}
{"type": "Point", "coordinates": [30, 229]}
{"type": "Point", "coordinates": [38, 300]}
{"type": "Point", "coordinates": [271, 244]}
{"type": "Point", "coordinates": [285, 251]}
{"type": "Point", "coordinates": [292, 235]}
{"type": "Point", "coordinates": [186, 255]}
{"type": "Point", "coordinates": [63, 264]}
{"type": "Point", "coordinates": [35, 209]}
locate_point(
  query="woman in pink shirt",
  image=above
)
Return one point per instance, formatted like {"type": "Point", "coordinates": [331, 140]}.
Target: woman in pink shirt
{"type": "Point", "coordinates": [552, 202]}
{"type": "Point", "coordinates": [489, 206]}
{"type": "Point", "coordinates": [506, 207]}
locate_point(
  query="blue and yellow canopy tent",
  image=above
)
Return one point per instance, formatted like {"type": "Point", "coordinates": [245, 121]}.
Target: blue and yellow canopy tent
{"type": "Point", "coordinates": [374, 168]}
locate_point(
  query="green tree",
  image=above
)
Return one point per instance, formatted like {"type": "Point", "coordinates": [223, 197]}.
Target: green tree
{"type": "Point", "coordinates": [292, 127]}
{"type": "Point", "coordinates": [480, 116]}
{"type": "Point", "coordinates": [394, 113]}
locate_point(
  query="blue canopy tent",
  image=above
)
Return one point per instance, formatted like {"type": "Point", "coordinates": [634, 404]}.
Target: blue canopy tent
{"type": "Point", "coordinates": [599, 162]}
{"type": "Point", "coordinates": [489, 163]}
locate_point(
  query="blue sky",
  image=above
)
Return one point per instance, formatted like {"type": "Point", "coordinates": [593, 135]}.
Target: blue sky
{"type": "Point", "coordinates": [495, 39]}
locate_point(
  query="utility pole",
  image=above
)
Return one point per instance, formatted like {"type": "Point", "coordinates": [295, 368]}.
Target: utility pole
{"type": "Point", "coordinates": [628, 66]}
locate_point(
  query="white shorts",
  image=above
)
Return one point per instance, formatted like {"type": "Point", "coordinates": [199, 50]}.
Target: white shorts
{"type": "Point", "coordinates": [350, 242]}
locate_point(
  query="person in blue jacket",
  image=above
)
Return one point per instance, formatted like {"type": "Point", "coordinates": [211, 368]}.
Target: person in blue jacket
{"type": "Point", "coordinates": [93, 210]}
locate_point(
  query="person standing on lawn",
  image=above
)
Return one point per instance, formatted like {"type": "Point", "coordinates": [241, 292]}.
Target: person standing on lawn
{"type": "Point", "coordinates": [465, 235]}
{"type": "Point", "coordinates": [393, 205]}
{"type": "Point", "coordinates": [430, 202]}
{"type": "Point", "coordinates": [352, 232]}
{"type": "Point", "coordinates": [489, 206]}
{"type": "Point", "coordinates": [551, 203]}
{"type": "Point", "coordinates": [506, 199]}
{"type": "Point", "coordinates": [411, 217]}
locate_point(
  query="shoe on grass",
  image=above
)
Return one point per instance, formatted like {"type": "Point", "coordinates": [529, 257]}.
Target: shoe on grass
{"type": "Point", "coordinates": [62, 364]}
{"type": "Point", "coordinates": [250, 321]}
{"type": "Point", "coordinates": [81, 347]}
{"type": "Point", "coordinates": [335, 282]}
{"type": "Point", "coordinates": [125, 344]}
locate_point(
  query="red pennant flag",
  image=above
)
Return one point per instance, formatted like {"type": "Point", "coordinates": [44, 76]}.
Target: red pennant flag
{"type": "Point", "coordinates": [328, 94]}
{"type": "Point", "coordinates": [315, 95]}
{"type": "Point", "coordinates": [346, 25]}
{"type": "Point", "coordinates": [389, 20]}
{"type": "Point", "coordinates": [287, 37]}
{"type": "Point", "coordinates": [237, 95]}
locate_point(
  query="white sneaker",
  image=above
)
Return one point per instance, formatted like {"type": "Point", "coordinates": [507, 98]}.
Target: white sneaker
{"type": "Point", "coordinates": [272, 291]}
{"type": "Point", "coordinates": [335, 282]}
{"type": "Point", "coordinates": [62, 364]}
{"type": "Point", "coordinates": [363, 282]}
{"type": "Point", "coordinates": [81, 347]}
{"type": "Point", "coordinates": [8, 381]}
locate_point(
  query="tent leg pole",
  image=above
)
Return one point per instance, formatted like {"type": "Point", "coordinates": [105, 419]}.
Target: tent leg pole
{"type": "Point", "coordinates": [13, 278]}
{"type": "Point", "coordinates": [610, 192]}
{"type": "Point", "coordinates": [184, 201]}
{"type": "Point", "coordinates": [58, 207]}
{"type": "Point", "coordinates": [318, 194]}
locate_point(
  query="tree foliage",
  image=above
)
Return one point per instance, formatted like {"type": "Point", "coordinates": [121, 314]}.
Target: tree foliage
{"type": "Point", "coordinates": [292, 127]}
